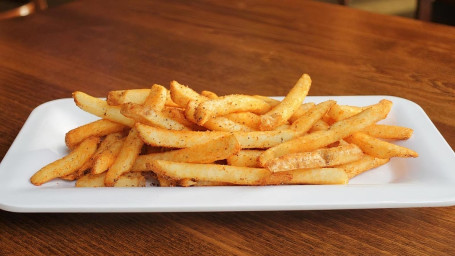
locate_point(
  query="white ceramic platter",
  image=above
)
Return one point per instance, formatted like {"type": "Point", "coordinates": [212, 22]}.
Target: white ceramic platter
{"type": "Point", "coordinates": [428, 180]}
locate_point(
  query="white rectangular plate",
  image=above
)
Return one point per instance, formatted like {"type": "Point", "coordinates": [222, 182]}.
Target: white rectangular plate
{"type": "Point", "coordinates": [428, 180]}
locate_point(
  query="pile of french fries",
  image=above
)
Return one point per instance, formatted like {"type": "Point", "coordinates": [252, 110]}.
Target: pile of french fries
{"type": "Point", "coordinates": [179, 137]}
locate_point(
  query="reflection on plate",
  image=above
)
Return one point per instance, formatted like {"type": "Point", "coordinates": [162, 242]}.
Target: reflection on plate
{"type": "Point", "coordinates": [428, 180]}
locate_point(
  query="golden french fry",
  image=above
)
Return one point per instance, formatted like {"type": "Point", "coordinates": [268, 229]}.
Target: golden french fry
{"type": "Point", "coordinates": [210, 172]}
{"type": "Point", "coordinates": [178, 114]}
{"type": "Point", "coordinates": [324, 157]}
{"type": "Point", "coordinates": [183, 139]}
{"type": "Point", "coordinates": [94, 129]}
{"type": "Point", "coordinates": [283, 111]}
{"type": "Point", "coordinates": [209, 152]}
{"type": "Point", "coordinates": [307, 120]}
{"type": "Point", "coordinates": [68, 164]}
{"type": "Point", "coordinates": [209, 94]}
{"type": "Point", "coordinates": [245, 158]}
{"type": "Point", "coordinates": [182, 94]}
{"type": "Point", "coordinates": [337, 131]}
{"type": "Point", "coordinates": [299, 112]}
{"type": "Point", "coordinates": [224, 124]}
{"type": "Point", "coordinates": [166, 181]}
{"type": "Point", "coordinates": [379, 148]}
{"type": "Point", "coordinates": [341, 112]}
{"type": "Point", "coordinates": [320, 125]}
{"type": "Point", "coordinates": [320, 176]}
{"type": "Point", "coordinates": [97, 180]}
{"type": "Point", "coordinates": [100, 108]}
{"type": "Point", "coordinates": [138, 96]}
{"type": "Point", "coordinates": [147, 115]}
{"type": "Point", "coordinates": [245, 118]}
{"type": "Point", "coordinates": [125, 159]}
{"type": "Point", "coordinates": [106, 158]}
{"type": "Point", "coordinates": [364, 164]}
{"type": "Point", "coordinates": [229, 104]}
{"type": "Point", "coordinates": [388, 132]}
{"type": "Point", "coordinates": [156, 99]}
{"type": "Point", "coordinates": [85, 168]}
{"type": "Point", "coordinates": [200, 183]}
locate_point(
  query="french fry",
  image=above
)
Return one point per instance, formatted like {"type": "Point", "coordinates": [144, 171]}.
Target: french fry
{"type": "Point", "coordinates": [307, 120]}
{"type": "Point", "coordinates": [320, 125]}
{"type": "Point", "coordinates": [209, 152]}
{"type": "Point", "coordinates": [283, 111]}
{"type": "Point", "coordinates": [391, 132]}
{"type": "Point", "coordinates": [97, 180]}
{"type": "Point", "coordinates": [229, 104]}
{"type": "Point", "coordinates": [341, 112]}
{"type": "Point", "coordinates": [125, 159]}
{"type": "Point", "coordinates": [210, 172]}
{"type": "Point", "coordinates": [178, 114]}
{"type": "Point", "coordinates": [183, 139]}
{"type": "Point", "coordinates": [209, 94]}
{"type": "Point", "coordinates": [147, 115]}
{"type": "Point", "coordinates": [216, 123]}
{"type": "Point", "coordinates": [379, 148]}
{"type": "Point", "coordinates": [68, 164]}
{"type": "Point", "coordinates": [337, 131]}
{"type": "Point", "coordinates": [318, 176]}
{"type": "Point", "coordinates": [245, 118]}
{"type": "Point", "coordinates": [245, 158]}
{"type": "Point", "coordinates": [106, 158]}
{"type": "Point", "coordinates": [156, 99]}
{"type": "Point", "coordinates": [100, 108]}
{"type": "Point", "coordinates": [324, 157]}
{"type": "Point", "coordinates": [138, 96]}
{"type": "Point", "coordinates": [364, 164]}
{"type": "Point", "coordinates": [182, 94]}
{"type": "Point", "coordinates": [200, 183]}
{"type": "Point", "coordinates": [88, 165]}
{"type": "Point", "coordinates": [299, 112]}
{"type": "Point", "coordinates": [98, 128]}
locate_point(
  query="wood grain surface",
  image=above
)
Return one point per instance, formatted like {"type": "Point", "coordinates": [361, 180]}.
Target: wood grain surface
{"type": "Point", "coordinates": [258, 47]}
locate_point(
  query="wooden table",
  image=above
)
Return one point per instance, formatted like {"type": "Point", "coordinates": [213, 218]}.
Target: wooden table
{"type": "Point", "coordinates": [231, 47]}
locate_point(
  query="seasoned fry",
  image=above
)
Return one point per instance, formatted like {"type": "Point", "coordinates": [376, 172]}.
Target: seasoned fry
{"type": "Point", "coordinates": [286, 108]}
{"type": "Point", "coordinates": [106, 158]}
{"type": "Point", "coordinates": [390, 132]}
{"type": "Point", "coordinates": [97, 180]}
{"type": "Point", "coordinates": [299, 112]}
{"type": "Point", "coordinates": [245, 158]}
{"type": "Point", "coordinates": [201, 183]}
{"type": "Point", "coordinates": [156, 99]}
{"type": "Point", "coordinates": [183, 139]}
{"type": "Point", "coordinates": [209, 94]}
{"type": "Point", "coordinates": [209, 152]}
{"type": "Point", "coordinates": [245, 118]}
{"type": "Point", "coordinates": [229, 104]}
{"type": "Point", "coordinates": [98, 128]}
{"type": "Point", "coordinates": [320, 125]}
{"type": "Point", "coordinates": [378, 148]}
{"type": "Point", "coordinates": [100, 108]}
{"type": "Point", "coordinates": [341, 112]}
{"type": "Point", "coordinates": [138, 96]}
{"type": "Point", "coordinates": [178, 114]}
{"type": "Point", "coordinates": [125, 159]}
{"type": "Point", "coordinates": [321, 176]}
{"type": "Point", "coordinates": [364, 164]}
{"type": "Point", "coordinates": [147, 115]}
{"type": "Point", "coordinates": [307, 120]}
{"type": "Point", "coordinates": [181, 94]}
{"type": "Point", "coordinates": [337, 131]}
{"type": "Point", "coordinates": [324, 157]}
{"type": "Point", "coordinates": [68, 164]}
{"type": "Point", "coordinates": [210, 172]}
